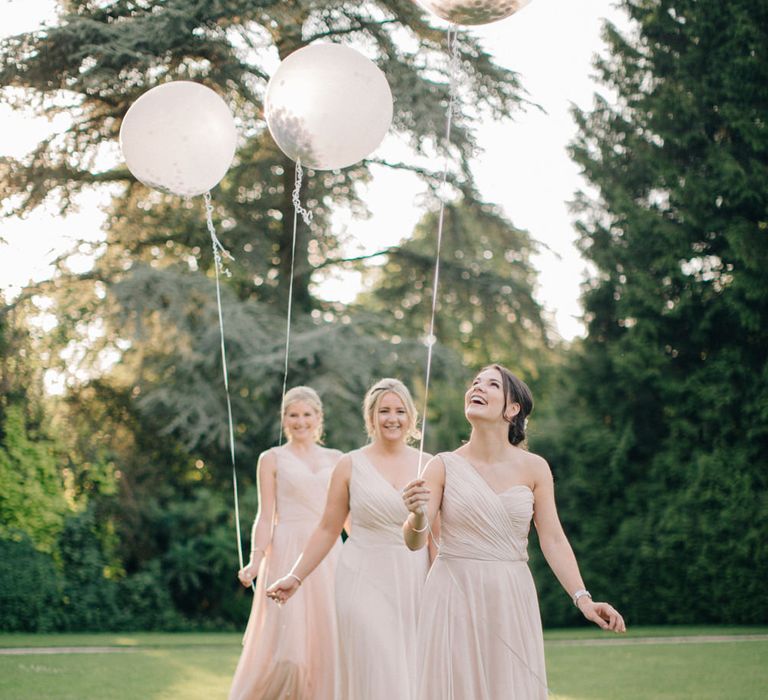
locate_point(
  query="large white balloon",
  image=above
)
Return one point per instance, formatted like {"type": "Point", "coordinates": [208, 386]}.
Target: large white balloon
{"type": "Point", "coordinates": [473, 11]}
{"type": "Point", "coordinates": [328, 106]}
{"type": "Point", "coordinates": [179, 137]}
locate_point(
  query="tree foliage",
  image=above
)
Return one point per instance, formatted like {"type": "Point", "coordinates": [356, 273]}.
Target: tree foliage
{"type": "Point", "coordinates": [136, 347]}
{"type": "Point", "coordinates": [32, 497]}
{"type": "Point", "coordinates": [663, 437]}
{"type": "Point", "coordinates": [486, 310]}
{"type": "Point", "coordinates": [102, 56]}
{"type": "Point", "coordinates": [32, 492]}
{"type": "Point", "coordinates": [30, 588]}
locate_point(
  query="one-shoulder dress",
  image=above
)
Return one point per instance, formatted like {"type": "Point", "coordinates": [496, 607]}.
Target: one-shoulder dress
{"type": "Point", "coordinates": [480, 634]}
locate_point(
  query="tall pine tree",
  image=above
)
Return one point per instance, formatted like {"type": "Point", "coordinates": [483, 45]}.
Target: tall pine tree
{"type": "Point", "coordinates": [665, 427]}
{"type": "Point", "coordinates": [144, 398]}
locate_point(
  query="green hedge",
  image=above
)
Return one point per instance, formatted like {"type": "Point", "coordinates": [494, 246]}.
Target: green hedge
{"type": "Point", "coordinates": [30, 588]}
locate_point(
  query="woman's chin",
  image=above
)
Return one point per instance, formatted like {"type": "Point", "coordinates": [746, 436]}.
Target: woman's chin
{"type": "Point", "coordinates": [475, 412]}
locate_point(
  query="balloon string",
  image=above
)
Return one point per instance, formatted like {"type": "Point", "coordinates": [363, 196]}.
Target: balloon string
{"type": "Point", "coordinates": [453, 105]}
{"type": "Point", "coordinates": [220, 252]}
{"type": "Point", "coordinates": [295, 198]}
{"type": "Point", "coordinates": [453, 109]}
{"type": "Point", "coordinates": [307, 217]}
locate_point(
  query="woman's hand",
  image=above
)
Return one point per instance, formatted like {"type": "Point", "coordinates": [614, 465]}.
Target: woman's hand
{"type": "Point", "coordinates": [416, 496]}
{"type": "Point", "coordinates": [248, 573]}
{"type": "Point", "coordinates": [603, 615]}
{"type": "Point", "coordinates": [282, 589]}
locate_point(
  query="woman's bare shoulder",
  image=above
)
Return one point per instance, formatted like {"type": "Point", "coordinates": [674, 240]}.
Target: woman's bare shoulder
{"type": "Point", "coordinates": [343, 465]}
{"type": "Point", "coordinates": [268, 460]}
{"type": "Point", "coordinates": [415, 451]}
{"type": "Point", "coordinates": [332, 453]}
{"type": "Point", "coordinates": [538, 466]}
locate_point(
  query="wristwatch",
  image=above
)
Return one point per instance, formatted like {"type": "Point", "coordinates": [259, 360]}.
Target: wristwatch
{"type": "Point", "coordinates": [580, 594]}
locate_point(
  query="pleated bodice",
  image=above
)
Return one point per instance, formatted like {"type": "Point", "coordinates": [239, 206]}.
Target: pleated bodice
{"type": "Point", "coordinates": [477, 522]}
{"type": "Point", "coordinates": [376, 507]}
{"type": "Point", "coordinates": [301, 488]}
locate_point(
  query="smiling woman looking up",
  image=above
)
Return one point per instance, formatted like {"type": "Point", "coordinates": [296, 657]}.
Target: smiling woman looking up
{"type": "Point", "coordinates": [479, 630]}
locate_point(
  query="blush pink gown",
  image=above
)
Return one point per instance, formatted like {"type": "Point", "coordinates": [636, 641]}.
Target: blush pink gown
{"type": "Point", "coordinates": [289, 651]}
{"type": "Point", "coordinates": [480, 632]}
{"type": "Point", "coordinates": [379, 584]}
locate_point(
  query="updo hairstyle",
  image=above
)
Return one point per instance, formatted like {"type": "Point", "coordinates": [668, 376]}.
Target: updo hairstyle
{"type": "Point", "coordinates": [515, 391]}
{"type": "Point", "coordinates": [373, 398]}
{"type": "Point", "coordinates": [308, 395]}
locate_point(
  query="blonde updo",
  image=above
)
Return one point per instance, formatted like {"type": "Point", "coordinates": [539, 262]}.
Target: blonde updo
{"type": "Point", "coordinates": [308, 395]}
{"type": "Point", "coordinates": [373, 398]}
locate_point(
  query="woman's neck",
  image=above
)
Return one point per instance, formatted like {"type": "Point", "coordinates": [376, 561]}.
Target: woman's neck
{"type": "Point", "coordinates": [301, 446]}
{"type": "Point", "coordinates": [489, 443]}
{"type": "Point", "coordinates": [388, 448]}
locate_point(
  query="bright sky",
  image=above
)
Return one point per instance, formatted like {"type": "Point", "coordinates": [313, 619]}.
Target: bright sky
{"type": "Point", "coordinates": [524, 166]}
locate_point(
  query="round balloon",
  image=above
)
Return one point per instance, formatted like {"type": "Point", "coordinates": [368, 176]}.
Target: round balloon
{"type": "Point", "coordinates": [473, 11]}
{"type": "Point", "coordinates": [179, 137]}
{"type": "Point", "coordinates": [328, 106]}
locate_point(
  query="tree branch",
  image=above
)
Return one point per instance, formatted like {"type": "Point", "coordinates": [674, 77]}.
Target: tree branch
{"type": "Point", "coordinates": [361, 27]}
{"type": "Point", "coordinates": [392, 250]}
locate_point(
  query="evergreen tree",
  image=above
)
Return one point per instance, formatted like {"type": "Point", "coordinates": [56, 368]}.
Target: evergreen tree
{"type": "Point", "coordinates": [664, 429]}
{"type": "Point", "coordinates": [486, 309]}
{"type": "Point", "coordinates": [137, 341]}
{"type": "Point", "coordinates": [94, 63]}
{"type": "Point", "coordinates": [102, 56]}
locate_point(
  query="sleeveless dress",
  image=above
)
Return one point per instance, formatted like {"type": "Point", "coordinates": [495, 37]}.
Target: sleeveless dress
{"type": "Point", "coordinates": [480, 632]}
{"type": "Point", "coordinates": [379, 583]}
{"type": "Point", "coordinates": [289, 650]}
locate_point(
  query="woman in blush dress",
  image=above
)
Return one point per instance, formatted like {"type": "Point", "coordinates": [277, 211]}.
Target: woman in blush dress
{"type": "Point", "coordinates": [378, 581]}
{"type": "Point", "coordinates": [479, 629]}
{"type": "Point", "coordinates": [290, 652]}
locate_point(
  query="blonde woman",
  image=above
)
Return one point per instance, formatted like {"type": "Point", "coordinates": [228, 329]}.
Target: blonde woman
{"type": "Point", "coordinates": [290, 652]}
{"type": "Point", "coordinates": [378, 580]}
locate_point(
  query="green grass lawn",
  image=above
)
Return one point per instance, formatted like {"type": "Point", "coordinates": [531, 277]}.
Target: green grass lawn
{"type": "Point", "coordinates": [200, 667]}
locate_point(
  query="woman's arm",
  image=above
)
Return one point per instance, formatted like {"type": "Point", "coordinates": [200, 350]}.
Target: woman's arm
{"type": "Point", "coordinates": [323, 537]}
{"type": "Point", "coordinates": [423, 498]}
{"type": "Point", "coordinates": [261, 533]}
{"type": "Point", "coordinates": [559, 554]}
{"type": "Point", "coordinates": [434, 539]}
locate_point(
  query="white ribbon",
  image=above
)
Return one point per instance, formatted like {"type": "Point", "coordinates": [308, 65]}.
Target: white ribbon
{"type": "Point", "coordinates": [219, 252]}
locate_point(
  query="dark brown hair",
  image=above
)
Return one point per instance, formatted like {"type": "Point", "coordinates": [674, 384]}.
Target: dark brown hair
{"type": "Point", "coordinates": [515, 391]}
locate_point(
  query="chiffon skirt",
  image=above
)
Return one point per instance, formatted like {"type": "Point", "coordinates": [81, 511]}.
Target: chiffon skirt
{"type": "Point", "coordinates": [289, 650]}
{"type": "Point", "coordinates": [480, 633]}
{"type": "Point", "coordinates": [378, 593]}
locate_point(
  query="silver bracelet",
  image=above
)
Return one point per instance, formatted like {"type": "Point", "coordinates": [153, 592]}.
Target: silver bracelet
{"type": "Point", "coordinates": [296, 577]}
{"type": "Point", "coordinates": [413, 529]}
{"type": "Point", "coordinates": [580, 594]}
